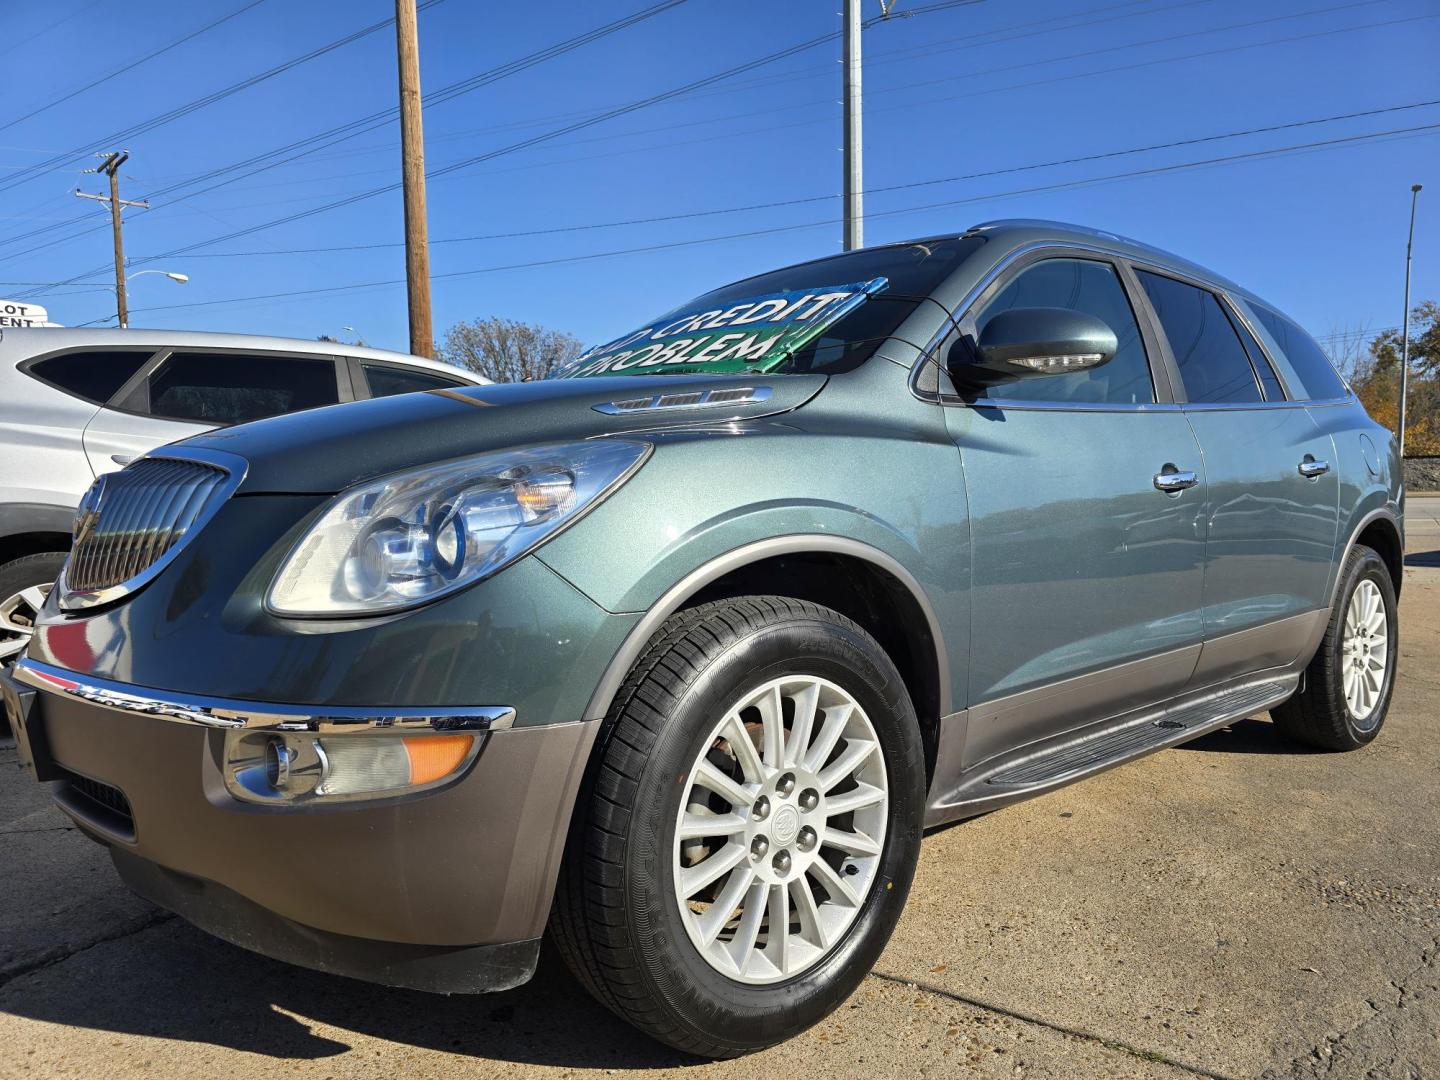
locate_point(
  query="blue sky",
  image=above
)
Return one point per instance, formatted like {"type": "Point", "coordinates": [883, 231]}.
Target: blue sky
{"type": "Point", "coordinates": [984, 88]}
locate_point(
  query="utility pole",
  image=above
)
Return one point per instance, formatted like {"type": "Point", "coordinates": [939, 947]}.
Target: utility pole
{"type": "Point", "coordinates": [854, 184]}
{"type": "Point", "coordinates": [412, 156]}
{"type": "Point", "coordinates": [1405, 323]}
{"type": "Point", "coordinates": [111, 168]}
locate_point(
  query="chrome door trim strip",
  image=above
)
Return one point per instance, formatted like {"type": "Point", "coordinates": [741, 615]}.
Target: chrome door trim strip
{"type": "Point", "coordinates": [233, 714]}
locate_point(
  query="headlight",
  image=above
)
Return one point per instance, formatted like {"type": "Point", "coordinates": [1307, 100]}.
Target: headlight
{"type": "Point", "coordinates": [408, 538]}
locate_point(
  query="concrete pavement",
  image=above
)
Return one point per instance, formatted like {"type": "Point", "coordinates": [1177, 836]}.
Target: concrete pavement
{"type": "Point", "coordinates": [1237, 907]}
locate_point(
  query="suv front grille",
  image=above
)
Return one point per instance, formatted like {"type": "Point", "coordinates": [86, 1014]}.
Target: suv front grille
{"type": "Point", "coordinates": [130, 520]}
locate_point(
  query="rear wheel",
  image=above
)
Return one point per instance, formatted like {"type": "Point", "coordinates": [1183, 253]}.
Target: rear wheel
{"type": "Point", "coordinates": [747, 835]}
{"type": "Point", "coordinates": [1349, 682]}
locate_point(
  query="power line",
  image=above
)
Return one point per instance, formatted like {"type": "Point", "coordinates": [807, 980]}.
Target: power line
{"type": "Point", "coordinates": [659, 218]}
{"type": "Point", "coordinates": [360, 125]}
{"type": "Point", "coordinates": [522, 145]}
{"type": "Point", "coordinates": [1424, 129]}
{"type": "Point", "coordinates": [535, 140]}
{"type": "Point", "coordinates": [58, 22]}
{"type": "Point", "coordinates": [119, 137]}
{"type": "Point", "coordinates": [134, 64]}
{"type": "Point", "coordinates": [1013, 86]}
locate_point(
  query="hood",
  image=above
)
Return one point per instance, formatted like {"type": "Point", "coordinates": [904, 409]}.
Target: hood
{"type": "Point", "coordinates": [322, 451]}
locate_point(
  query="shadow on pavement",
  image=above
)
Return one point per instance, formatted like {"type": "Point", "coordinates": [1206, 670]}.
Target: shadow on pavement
{"type": "Point", "coordinates": [175, 982]}
{"type": "Point", "coordinates": [1423, 558]}
{"type": "Point", "coordinates": [1249, 736]}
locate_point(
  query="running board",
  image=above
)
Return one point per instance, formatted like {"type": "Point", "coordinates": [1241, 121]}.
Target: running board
{"type": "Point", "coordinates": [1135, 738]}
{"type": "Point", "coordinates": [989, 786]}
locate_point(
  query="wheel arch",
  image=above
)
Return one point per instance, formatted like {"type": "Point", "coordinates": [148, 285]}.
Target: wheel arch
{"type": "Point", "coordinates": [1381, 533]}
{"type": "Point", "coordinates": [1380, 529]}
{"type": "Point", "coordinates": [33, 528]}
{"type": "Point", "coordinates": [860, 581]}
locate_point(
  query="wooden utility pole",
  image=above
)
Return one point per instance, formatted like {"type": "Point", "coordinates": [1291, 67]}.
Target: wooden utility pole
{"type": "Point", "coordinates": [412, 157]}
{"type": "Point", "coordinates": [111, 168]}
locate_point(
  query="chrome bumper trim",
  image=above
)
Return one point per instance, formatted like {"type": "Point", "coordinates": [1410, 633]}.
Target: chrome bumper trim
{"type": "Point", "coordinates": [229, 714]}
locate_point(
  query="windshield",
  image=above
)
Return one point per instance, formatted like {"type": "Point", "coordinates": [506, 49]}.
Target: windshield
{"type": "Point", "coordinates": [825, 316]}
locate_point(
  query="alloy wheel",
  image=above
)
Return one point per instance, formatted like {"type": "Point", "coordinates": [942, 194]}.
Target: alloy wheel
{"type": "Point", "coordinates": [1364, 653]}
{"type": "Point", "coordinates": [18, 614]}
{"type": "Point", "coordinates": [780, 829]}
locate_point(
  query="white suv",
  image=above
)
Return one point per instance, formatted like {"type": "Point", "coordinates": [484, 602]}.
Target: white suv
{"type": "Point", "coordinates": [77, 403]}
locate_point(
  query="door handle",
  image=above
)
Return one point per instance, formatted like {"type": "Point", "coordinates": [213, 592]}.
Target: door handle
{"type": "Point", "coordinates": [1175, 479]}
{"type": "Point", "coordinates": [1310, 468]}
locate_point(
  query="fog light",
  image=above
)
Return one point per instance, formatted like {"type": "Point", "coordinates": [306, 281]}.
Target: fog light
{"type": "Point", "coordinates": [306, 767]}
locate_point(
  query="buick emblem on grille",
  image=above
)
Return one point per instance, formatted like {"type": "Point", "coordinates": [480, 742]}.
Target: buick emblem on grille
{"type": "Point", "coordinates": [88, 513]}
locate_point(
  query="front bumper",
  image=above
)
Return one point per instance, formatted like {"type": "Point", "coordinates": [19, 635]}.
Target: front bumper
{"type": "Point", "coordinates": [446, 890]}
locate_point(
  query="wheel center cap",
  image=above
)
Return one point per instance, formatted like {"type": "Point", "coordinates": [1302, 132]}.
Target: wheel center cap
{"type": "Point", "coordinates": [785, 825]}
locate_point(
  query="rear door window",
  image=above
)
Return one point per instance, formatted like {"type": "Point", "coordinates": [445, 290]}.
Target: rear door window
{"type": "Point", "coordinates": [232, 388]}
{"type": "Point", "coordinates": [1212, 362]}
{"type": "Point", "coordinates": [94, 376]}
{"type": "Point", "coordinates": [385, 380]}
{"type": "Point", "coordinates": [1318, 379]}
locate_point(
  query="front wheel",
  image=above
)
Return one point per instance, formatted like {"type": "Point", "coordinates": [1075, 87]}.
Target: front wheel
{"type": "Point", "coordinates": [1349, 681]}
{"type": "Point", "coordinates": [749, 830]}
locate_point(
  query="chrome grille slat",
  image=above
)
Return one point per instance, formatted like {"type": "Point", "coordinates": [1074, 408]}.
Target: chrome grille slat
{"type": "Point", "coordinates": [148, 510]}
{"type": "Point", "coordinates": [145, 511]}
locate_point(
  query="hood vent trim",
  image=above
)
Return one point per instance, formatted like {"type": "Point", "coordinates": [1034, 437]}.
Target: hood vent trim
{"type": "Point", "coordinates": [691, 399]}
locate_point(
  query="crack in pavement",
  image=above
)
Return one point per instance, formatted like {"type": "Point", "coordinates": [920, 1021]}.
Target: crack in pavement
{"type": "Point", "coordinates": [60, 954]}
{"type": "Point", "coordinates": [1062, 1029]}
{"type": "Point", "coordinates": [1324, 1058]}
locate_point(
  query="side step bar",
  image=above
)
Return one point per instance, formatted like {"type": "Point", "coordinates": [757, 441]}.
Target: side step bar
{"type": "Point", "coordinates": [1030, 772]}
{"type": "Point", "coordinates": [1124, 743]}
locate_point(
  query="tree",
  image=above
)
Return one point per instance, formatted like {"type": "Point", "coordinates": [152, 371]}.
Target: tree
{"type": "Point", "coordinates": [1376, 379]}
{"type": "Point", "coordinates": [508, 350]}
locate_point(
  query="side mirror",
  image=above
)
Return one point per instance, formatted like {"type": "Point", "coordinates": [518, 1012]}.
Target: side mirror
{"type": "Point", "coordinates": [1028, 342]}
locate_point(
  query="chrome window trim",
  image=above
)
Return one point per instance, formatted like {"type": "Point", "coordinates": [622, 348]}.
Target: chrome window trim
{"type": "Point", "coordinates": [230, 714]}
{"type": "Point", "coordinates": [234, 467]}
{"type": "Point", "coordinates": [1220, 288]}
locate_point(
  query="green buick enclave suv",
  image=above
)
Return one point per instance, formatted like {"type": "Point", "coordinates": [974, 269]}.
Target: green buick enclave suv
{"type": "Point", "coordinates": [674, 657]}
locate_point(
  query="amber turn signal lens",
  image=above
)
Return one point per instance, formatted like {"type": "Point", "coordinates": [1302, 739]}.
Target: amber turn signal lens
{"type": "Point", "coordinates": [436, 756]}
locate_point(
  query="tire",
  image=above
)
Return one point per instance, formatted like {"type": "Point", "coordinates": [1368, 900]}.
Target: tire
{"type": "Point", "coordinates": [618, 918]}
{"type": "Point", "coordinates": [19, 579]}
{"type": "Point", "coordinates": [1321, 715]}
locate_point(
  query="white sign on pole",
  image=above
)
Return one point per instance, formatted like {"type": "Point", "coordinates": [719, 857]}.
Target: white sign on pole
{"type": "Point", "coordinates": [18, 313]}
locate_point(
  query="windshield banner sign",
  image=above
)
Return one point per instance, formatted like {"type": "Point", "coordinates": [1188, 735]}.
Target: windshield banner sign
{"type": "Point", "coordinates": [751, 335]}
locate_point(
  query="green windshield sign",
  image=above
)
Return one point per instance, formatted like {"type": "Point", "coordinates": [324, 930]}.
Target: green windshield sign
{"type": "Point", "coordinates": [755, 334]}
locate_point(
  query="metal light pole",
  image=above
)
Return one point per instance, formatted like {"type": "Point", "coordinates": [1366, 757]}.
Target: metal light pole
{"type": "Point", "coordinates": [854, 184]}
{"type": "Point", "coordinates": [1405, 322]}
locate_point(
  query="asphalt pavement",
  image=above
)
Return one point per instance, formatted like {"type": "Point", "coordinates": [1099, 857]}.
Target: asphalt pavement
{"type": "Point", "coordinates": [1237, 907]}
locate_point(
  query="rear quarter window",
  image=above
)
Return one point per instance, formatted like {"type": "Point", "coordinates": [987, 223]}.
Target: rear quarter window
{"type": "Point", "coordinates": [385, 380]}
{"type": "Point", "coordinates": [94, 375]}
{"type": "Point", "coordinates": [1318, 378]}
